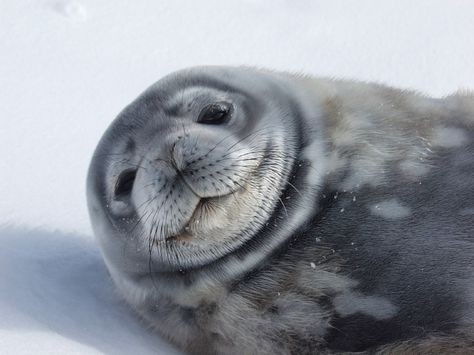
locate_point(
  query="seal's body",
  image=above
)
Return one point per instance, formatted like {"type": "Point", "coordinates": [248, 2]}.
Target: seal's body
{"type": "Point", "coordinates": [242, 211]}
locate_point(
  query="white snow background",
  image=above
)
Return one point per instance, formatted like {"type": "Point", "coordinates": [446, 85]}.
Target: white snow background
{"type": "Point", "coordinates": [68, 67]}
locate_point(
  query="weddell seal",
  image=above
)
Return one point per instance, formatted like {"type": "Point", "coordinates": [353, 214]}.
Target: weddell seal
{"type": "Point", "coordinates": [244, 211]}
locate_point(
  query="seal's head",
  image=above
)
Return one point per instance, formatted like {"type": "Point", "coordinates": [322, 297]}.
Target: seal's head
{"type": "Point", "coordinates": [192, 169]}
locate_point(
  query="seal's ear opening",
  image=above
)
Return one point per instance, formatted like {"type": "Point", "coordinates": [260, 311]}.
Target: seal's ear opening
{"type": "Point", "coordinates": [124, 184]}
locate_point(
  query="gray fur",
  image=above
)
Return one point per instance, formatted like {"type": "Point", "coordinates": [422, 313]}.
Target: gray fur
{"type": "Point", "coordinates": [324, 216]}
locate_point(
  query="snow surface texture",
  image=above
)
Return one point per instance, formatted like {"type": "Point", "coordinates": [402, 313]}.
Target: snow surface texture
{"type": "Point", "coordinates": [68, 67]}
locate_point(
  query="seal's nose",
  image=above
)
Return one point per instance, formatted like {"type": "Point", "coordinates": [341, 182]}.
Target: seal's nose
{"type": "Point", "coordinates": [120, 204]}
{"type": "Point", "coordinates": [124, 184]}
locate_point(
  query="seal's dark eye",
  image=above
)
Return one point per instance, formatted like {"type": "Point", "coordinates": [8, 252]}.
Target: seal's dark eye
{"type": "Point", "coordinates": [124, 184]}
{"type": "Point", "coordinates": [216, 113]}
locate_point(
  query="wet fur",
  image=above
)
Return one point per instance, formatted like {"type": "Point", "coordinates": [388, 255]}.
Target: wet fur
{"type": "Point", "coordinates": [381, 258]}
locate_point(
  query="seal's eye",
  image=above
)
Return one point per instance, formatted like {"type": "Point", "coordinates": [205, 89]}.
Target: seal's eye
{"type": "Point", "coordinates": [216, 113]}
{"type": "Point", "coordinates": [124, 184]}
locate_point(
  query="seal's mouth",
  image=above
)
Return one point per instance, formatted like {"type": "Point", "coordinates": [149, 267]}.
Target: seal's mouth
{"type": "Point", "coordinates": [205, 206]}
{"type": "Point", "coordinates": [182, 236]}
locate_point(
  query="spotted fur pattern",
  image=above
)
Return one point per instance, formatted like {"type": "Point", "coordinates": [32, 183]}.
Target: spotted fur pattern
{"type": "Point", "coordinates": [323, 216]}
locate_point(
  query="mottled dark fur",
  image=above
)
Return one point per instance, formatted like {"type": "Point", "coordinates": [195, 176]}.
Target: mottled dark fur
{"type": "Point", "coordinates": [382, 258]}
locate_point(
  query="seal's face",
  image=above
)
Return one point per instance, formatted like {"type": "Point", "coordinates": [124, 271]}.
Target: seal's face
{"type": "Point", "coordinates": [191, 170]}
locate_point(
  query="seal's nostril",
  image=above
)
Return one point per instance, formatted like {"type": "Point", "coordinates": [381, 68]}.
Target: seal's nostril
{"type": "Point", "coordinates": [124, 184]}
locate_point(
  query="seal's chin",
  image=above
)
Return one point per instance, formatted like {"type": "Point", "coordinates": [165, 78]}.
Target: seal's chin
{"type": "Point", "coordinates": [186, 234]}
{"type": "Point", "coordinates": [203, 211]}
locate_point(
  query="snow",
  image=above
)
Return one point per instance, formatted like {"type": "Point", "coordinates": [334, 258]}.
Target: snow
{"type": "Point", "coordinates": [56, 298]}
{"type": "Point", "coordinates": [69, 66]}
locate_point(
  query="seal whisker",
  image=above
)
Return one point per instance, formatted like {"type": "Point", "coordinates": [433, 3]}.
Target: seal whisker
{"type": "Point", "coordinates": [242, 210]}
